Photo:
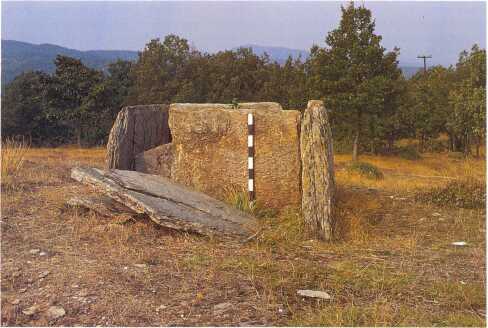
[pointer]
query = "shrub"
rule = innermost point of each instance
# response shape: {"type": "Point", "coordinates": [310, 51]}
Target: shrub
{"type": "Point", "coordinates": [365, 170]}
{"type": "Point", "coordinates": [456, 155]}
{"type": "Point", "coordinates": [469, 193]}
{"type": "Point", "coordinates": [436, 146]}
{"type": "Point", "coordinates": [13, 154]}
{"type": "Point", "coordinates": [407, 152]}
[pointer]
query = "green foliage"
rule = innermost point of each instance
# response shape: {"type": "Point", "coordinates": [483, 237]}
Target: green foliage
{"type": "Point", "coordinates": [467, 119]}
{"type": "Point", "coordinates": [355, 76]}
{"type": "Point", "coordinates": [468, 193]}
{"type": "Point", "coordinates": [24, 109]}
{"type": "Point", "coordinates": [429, 101]}
{"type": "Point", "coordinates": [365, 170]}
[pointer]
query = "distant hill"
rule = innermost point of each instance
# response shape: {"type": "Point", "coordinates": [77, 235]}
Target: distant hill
{"type": "Point", "coordinates": [18, 57]}
{"type": "Point", "coordinates": [279, 54]}
{"type": "Point", "coordinates": [409, 71]}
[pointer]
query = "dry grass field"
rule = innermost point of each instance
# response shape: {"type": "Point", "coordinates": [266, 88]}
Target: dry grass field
{"type": "Point", "coordinates": [394, 263]}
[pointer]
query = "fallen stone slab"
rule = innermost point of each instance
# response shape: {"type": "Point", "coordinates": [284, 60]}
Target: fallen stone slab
{"type": "Point", "coordinates": [167, 203]}
{"type": "Point", "coordinates": [100, 204]}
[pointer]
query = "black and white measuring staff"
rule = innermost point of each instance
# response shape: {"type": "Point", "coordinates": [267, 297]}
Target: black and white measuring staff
{"type": "Point", "coordinates": [250, 157]}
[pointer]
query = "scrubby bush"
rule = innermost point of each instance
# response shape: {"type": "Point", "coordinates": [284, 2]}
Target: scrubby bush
{"type": "Point", "coordinates": [456, 155]}
{"type": "Point", "coordinates": [436, 146]}
{"type": "Point", "coordinates": [469, 193]}
{"type": "Point", "coordinates": [365, 170]}
{"type": "Point", "coordinates": [407, 152]}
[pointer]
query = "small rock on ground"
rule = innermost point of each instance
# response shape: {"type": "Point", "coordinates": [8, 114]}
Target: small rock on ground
{"type": "Point", "coordinates": [140, 265]}
{"type": "Point", "coordinates": [43, 274]}
{"type": "Point", "coordinates": [222, 307]}
{"type": "Point", "coordinates": [314, 294]}
{"type": "Point", "coordinates": [160, 308]}
{"type": "Point", "coordinates": [55, 312]}
{"type": "Point", "coordinates": [31, 310]}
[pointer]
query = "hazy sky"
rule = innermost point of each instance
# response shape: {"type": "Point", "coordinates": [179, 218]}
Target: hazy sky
{"type": "Point", "coordinates": [441, 29]}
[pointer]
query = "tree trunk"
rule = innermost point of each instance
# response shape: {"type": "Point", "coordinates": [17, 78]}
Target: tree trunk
{"type": "Point", "coordinates": [422, 141]}
{"type": "Point", "coordinates": [478, 143]}
{"type": "Point", "coordinates": [467, 144]}
{"type": "Point", "coordinates": [318, 185]}
{"type": "Point", "coordinates": [355, 147]}
{"type": "Point", "coordinates": [391, 142]}
{"type": "Point", "coordinates": [450, 143]}
{"type": "Point", "coordinates": [78, 135]}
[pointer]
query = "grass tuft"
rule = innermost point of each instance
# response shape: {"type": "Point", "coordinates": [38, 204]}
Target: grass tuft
{"type": "Point", "coordinates": [240, 200]}
{"type": "Point", "coordinates": [365, 170]}
{"type": "Point", "coordinates": [13, 156]}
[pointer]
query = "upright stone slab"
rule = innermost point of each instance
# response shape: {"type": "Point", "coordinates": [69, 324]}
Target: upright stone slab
{"type": "Point", "coordinates": [211, 151]}
{"type": "Point", "coordinates": [136, 129]}
{"type": "Point", "coordinates": [318, 185]}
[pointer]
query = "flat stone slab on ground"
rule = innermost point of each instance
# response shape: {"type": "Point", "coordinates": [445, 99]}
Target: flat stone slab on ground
{"type": "Point", "coordinates": [168, 203]}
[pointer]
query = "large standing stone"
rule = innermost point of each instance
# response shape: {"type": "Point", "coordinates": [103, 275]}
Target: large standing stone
{"type": "Point", "coordinates": [136, 129]}
{"type": "Point", "coordinates": [318, 186]}
{"type": "Point", "coordinates": [211, 150]}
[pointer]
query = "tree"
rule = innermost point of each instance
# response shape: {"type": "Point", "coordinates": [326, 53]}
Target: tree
{"type": "Point", "coordinates": [354, 74]}
{"type": "Point", "coordinates": [23, 108]}
{"type": "Point", "coordinates": [467, 119]}
{"type": "Point", "coordinates": [67, 91]}
{"type": "Point", "coordinates": [429, 92]}
{"type": "Point", "coordinates": [157, 73]}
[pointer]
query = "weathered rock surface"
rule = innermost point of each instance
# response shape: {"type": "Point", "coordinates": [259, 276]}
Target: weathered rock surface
{"type": "Point", "coordinates": [100, 204]}
{"type": "Point", "coordinates": [211, 150]}
{"type": "Point", "coordinates": [136, 129]}
{"type": "Point", "coordinates": [168, 203]}
{"type": "Point", "coordinates": [55, 312]}
{"type": "Point", "coordinates": [318, 184]}
{"type": "Point", "coordinates": [157, 160]}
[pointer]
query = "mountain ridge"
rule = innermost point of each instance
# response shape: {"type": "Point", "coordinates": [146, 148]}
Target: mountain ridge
{"type": "Point", "coordinates": [19, 57]}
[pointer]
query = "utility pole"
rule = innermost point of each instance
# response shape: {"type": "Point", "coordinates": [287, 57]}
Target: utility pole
{"type": "Point", "coordinates": [424, 57]}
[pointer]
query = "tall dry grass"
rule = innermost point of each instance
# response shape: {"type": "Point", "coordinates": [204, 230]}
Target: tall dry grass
{"type": "Point", "coordinates": [13, 158]}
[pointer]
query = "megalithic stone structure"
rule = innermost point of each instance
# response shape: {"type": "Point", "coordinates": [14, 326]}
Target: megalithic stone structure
{"type": "Point", "coordinates": [318, 183]}
{"type": "Point", "coordinates": [136, 129]}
